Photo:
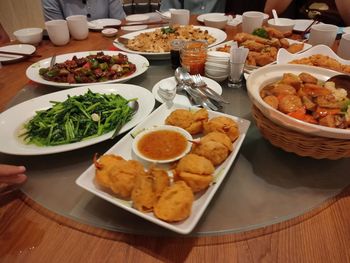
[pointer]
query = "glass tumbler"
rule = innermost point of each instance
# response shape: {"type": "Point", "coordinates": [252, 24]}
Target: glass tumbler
{"type": "Point", "coordinates": [193, 56]}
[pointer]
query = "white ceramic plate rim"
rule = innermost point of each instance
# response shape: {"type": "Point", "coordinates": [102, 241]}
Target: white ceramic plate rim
{"type": "Point", "coordinates": [133, 28]}
{"type": "Point", "coordinates": [217, 33]}
{"type": "Point", "coordinates": [266, 75]}
{"type": "Point", "coordinates": [182, 131]}
{"type": "Point", "coordinates": [98, 24]}
{"type": "Point", "coordinates": [123, 148]}
{"type": "Point", "coordinates": [12, 119]}
{"type": "Point", "coordinates": [181, 98]}
{"type": "Point", "coordinates": [201, 17]}
{"type": "Point", "coordinates": [32, 72]}
{"type": "Point", "coordinates": [21, 48]}
{"type": "Point", "coordinates": [137, 18]}
{"type": "Point", "coordinates": [284, 57]}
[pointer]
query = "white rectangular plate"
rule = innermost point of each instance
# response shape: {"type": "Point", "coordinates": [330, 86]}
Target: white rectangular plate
{"type": "Point", "coordinates": [124, 149]}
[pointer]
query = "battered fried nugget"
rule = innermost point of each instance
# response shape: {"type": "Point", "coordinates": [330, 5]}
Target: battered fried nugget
{"type": "Point", "coordinates": [196, 171]}
{"type": "Point", "coordinates": [175, 203]}
{"type": "Point", "coordinates": [104, 166]}
{"type": "Point", "coordinates": [222, 124]}
{"type": "Point", "coordinates": [123, 176]}
{"type": "Point", "coordinates": [215, 146]}
{"type": "Point", "coordinates": [190, 121]}
{"type": "Point", "coordinates": [143, 194]}
{"type": "Point", "coordinates": [160, 180]}
{"type": "Point", "coordinates": [294, 48]}
{"type": "Point", "coordinates": [292, 80]}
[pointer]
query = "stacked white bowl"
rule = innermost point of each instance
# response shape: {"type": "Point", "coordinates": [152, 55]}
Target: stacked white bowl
{"type": "Point", "coordinates": [217, 65]}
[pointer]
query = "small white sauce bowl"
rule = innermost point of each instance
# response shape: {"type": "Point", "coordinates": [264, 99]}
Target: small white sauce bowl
{"type": "Point", "coordinates": [109, 32]}
{"type": "Point", "coordinates": [139, 136]}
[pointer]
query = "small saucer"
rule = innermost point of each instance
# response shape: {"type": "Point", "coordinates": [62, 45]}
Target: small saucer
{"type": "Point", "coordinates": [109, 32]}
{"type": "Point", "coordinates": [20, 48]}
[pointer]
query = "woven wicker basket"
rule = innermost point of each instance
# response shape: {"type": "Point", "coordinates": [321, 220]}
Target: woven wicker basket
{"type": "Point", "coordinates": [299, 143]}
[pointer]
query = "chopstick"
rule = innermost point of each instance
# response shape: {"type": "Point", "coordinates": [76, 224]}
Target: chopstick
{"type": "Point", "coordinates": [138, 24]}
{"type": "Point", "coordinates": [307, 30]}
{"type": "Point", "coordinates": [18, 54]}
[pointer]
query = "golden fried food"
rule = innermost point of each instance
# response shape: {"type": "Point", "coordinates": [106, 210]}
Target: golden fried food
{"type": "Point", "coordinates": [222, 124]}
{"type": "Point", "coordinates": [307, 78]}
{"type": "Point", "coordinates": [143, 195]}
{"type": "Point", "coordinates": [159, 39]}
{"type": "Point", "coordinates": [175, 203]}
{"type": "Point", "coordinates": [272, 101]}
{"type": "Point", "coordinates": [215, 146]}
{"type": "Point", "coordinates": [104, 166]}
{"type": "Point", "coordinates": [190, 121]}
{"type": "Point", "coordinates": [323, 61]}
{"type": "Point", "coordinates": [160, 180]}
{"type": "Point", "coordinates": [123, 176]}
{"type": "Point", "coordinates": [196, 171]}
{"type": "Point", "coordinates": [292, 80]}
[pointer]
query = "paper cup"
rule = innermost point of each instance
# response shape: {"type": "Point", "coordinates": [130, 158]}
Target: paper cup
{"type": "Point", "coordinates": [323, 34]}
{"type": "Point", "coordinates": [180, 17]}
{"type": "Point", "coordinates": [78, 26]}
{"type": "Point", "coordinates": [344, 47]}
{"type": "Point", "coordinates": [58, 32]}
{"type": "Point", "coordinates": [251, 20]}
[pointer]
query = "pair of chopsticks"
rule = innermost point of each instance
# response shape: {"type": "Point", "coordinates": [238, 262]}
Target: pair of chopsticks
{"type": "Point", "coordinates": [307, 30]}
{"type": "Point", "coordinates": [18, 54]}
{"type": "Point", "coordinates": [138, 24]}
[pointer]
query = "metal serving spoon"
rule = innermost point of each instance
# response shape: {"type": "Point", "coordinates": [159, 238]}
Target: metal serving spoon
{"type": "Point", "coordinates": [134, 105]}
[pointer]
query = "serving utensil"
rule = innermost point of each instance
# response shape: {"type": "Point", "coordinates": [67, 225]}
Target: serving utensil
{"type": "Point", "coordinates": [18, 54]}
{"type": "Point", "coordinates": [134, 105]}
{"type": "Point", "coordinates": [341, 81]}
{"type": "Point", "coordinates": [307, 30]}
{"type": "Point", "coordinates": [212, 94]}
{"type": "Point", "coordinates": [275, 17]}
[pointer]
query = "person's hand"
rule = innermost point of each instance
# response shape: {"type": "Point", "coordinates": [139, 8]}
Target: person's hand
{"type": "Point", "coordinates": [11, 174]}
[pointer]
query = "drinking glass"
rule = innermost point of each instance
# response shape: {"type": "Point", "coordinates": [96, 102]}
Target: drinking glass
{"type": "Point", "coordinates": [235, 77]}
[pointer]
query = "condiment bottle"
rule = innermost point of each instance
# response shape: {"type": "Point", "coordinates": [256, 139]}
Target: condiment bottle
{"type": "Point", "coordinates": [193, 56]}
{"type": "Point", "coordinates": [175, 47]}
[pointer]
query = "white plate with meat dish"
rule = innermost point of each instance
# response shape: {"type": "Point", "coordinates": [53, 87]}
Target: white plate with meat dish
{"type": "Point", "coordinates": [264, 76]}
{"type": "Point", "coordinates": [19, 48]}
{"type": "Point", "coordinates": [123, 148]}
{"type": "Point", "coordinates": [181, 98]}
{"type": "Point", "coordinates": [13, 119]}
{"type": "Point", "coordinates": [33, 74]}
{"type": "Point", "coordinates": [284, 57]}
{"type": "Point", "coordinates": [99, 24]}
{"type": "Point", "coordinates": [218, 34]}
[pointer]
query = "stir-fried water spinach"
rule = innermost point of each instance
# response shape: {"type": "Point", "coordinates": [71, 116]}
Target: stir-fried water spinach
{"type": "Point", "coordinates": [78, 118]}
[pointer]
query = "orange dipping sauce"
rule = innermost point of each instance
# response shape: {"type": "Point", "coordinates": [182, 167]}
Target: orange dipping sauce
{"type": "Point", "coordinates": [162, 144]}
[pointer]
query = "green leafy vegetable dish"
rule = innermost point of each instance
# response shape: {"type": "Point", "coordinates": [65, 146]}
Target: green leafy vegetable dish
{"type": "Point", "coordinates": [261, 32]}
{"type": "Point", "coordinates": [78, 118]}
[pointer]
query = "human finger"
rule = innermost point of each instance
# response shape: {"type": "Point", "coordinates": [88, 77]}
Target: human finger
{"type": "Point", "coordinates": [8, 170]}
{"type": "Point", "coordinates": [13, 179]}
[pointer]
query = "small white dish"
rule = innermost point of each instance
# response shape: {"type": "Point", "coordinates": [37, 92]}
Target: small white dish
{"type": "Point", "coordinates": [19, 48]}
{"type": "Point", "coordinates": [134, 28]}
{"type": "Point", "coordinates": [31, 35]}
{"type": "Point", "coordinates": [180, 97]}
{"type": "Point", "coordinates": [99, 24]}
{"type": "Point", "coordinates": [217, 78]}
{"type": "Point", "coordinates": [302, 24]}
{"type": "Point", "coordinates": [218, 55]}
{"type": "Point", "coordinates": [202, 17]}
{"type": "Point", "coordinates": [284, 24]}
{"type": "Point", "coordinates": [186, 136]}
{"type": "Point", "coordinates": [215, 65]}
{"type": "Point", "coordinates": [109, 32]}
{"type": "Point", "coordinates": [137, 18]}
{"type": "Point", "coordinates": [217, 21]}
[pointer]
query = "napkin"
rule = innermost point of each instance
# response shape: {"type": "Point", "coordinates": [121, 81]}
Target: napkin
{"type": "Point", "coordinates": [234, 21]}
{"type": "Point", "coordinates": [238, 56]}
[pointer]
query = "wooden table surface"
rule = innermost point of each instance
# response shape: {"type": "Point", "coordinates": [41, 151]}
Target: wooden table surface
{"type": "Point", "coordinates": [30, 233]}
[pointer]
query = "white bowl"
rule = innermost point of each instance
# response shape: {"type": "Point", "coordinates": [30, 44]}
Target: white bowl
{"type": "Point", "coordinates": [217, 78]}
{"type": "Point", "coordinates": [214, 65]}
{"type": "Point", "coordinates": [139, 18]}
{"type": "Point", "coordinates": [284, 24]}
{"type": "Point", "coordinates": [217, 21]}
{"type": "Point", "coordinates": [179, 130]}
{"type": "Point", "coordinates": [109, 32]}
{"type": "Point", "coordinates": [216, 71]}
{"type": "Point", "coordinates": [29, 35]}
{"type": "Point", "coordinates": [221, 62]}
{"type": "Point", "coordinates": [218, 54]}
{"type": "Point", "coordinates": [266, 75]}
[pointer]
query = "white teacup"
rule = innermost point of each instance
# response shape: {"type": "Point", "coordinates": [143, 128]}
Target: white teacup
{"type": "Point", "coordinates": [180, 17]}
{"type": "Point", "coordinates": [344, 46]}
{"type": "Point", "coordinates": [251, 20]}
{"type": "Point", "coordinates": [78, 26]}
{"type": "Point", "coordinates": [58, 32]}
{"type": "Point", "coordinates": [323, 34]}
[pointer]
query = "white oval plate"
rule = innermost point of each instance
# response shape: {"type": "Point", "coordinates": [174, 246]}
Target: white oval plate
{"type": "Point", "coordinates": [284, 57]}
{"type": "Point", "coordinates": [32, 72]}
{"type": "Point", "coordinates": [202, 200]}
{"type": "Point", "coordinates": [134, 28]}
{"type": "Point", "coordinates": [20, 48]}
{"type": "Point", "coordinates": [12, 119]}
{"type": "Point", "coordinates": [266, 75]}
{"type": "Point", "coordinates": [217, 33]}
{"type": "Point", "coordinates": [100, 23]}
{"type": "Point", "coordinates": [182, 99]}
{"type": "Point", "coordinates": [137, 18]}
